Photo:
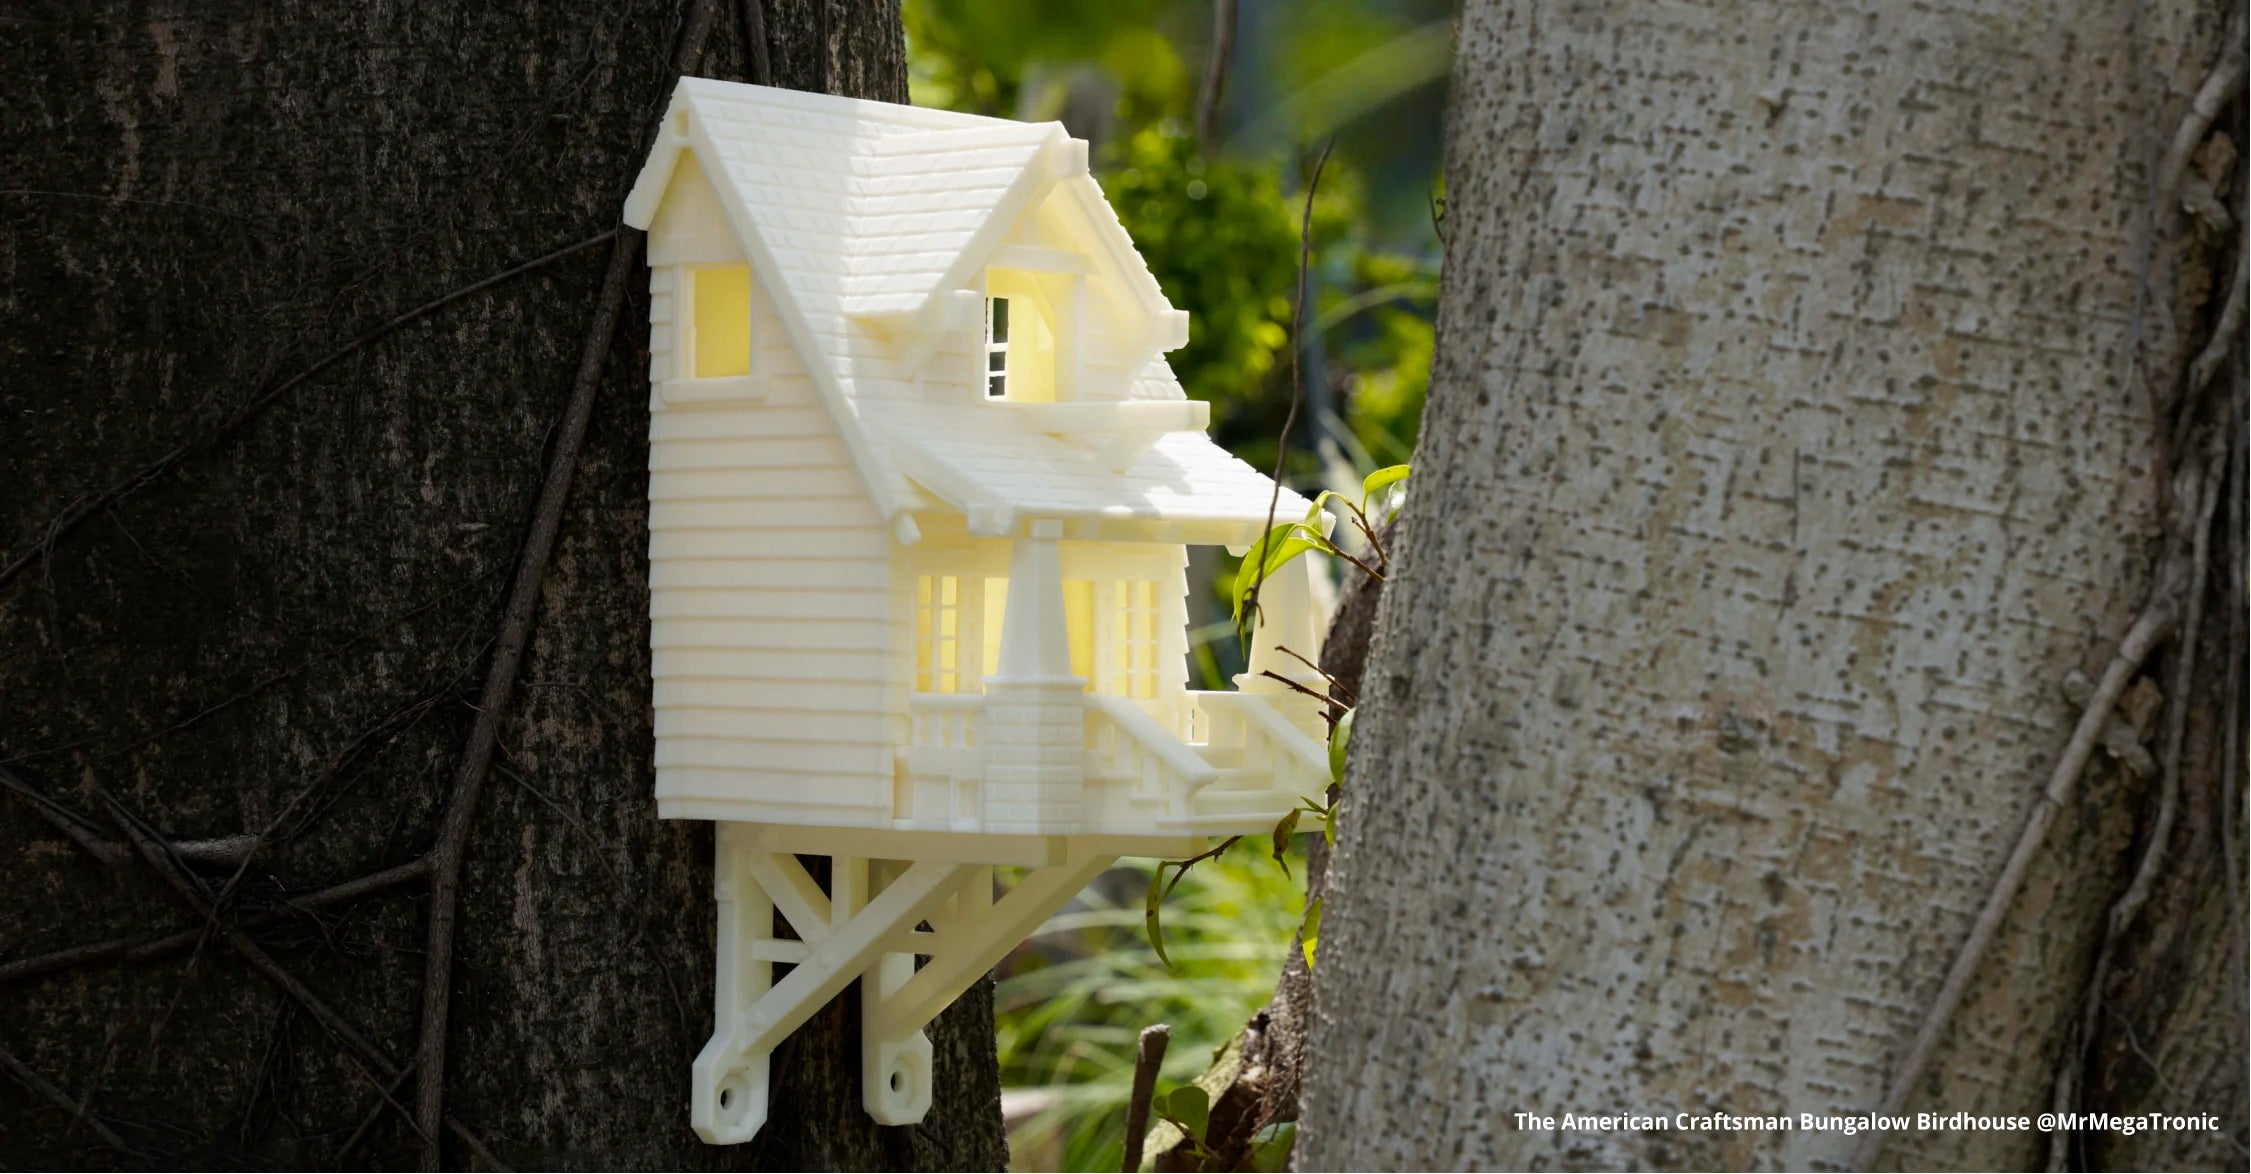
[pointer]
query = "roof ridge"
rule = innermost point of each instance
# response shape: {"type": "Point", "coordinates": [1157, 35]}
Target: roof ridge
{"type": "Point", "coordinates": [897, 115]}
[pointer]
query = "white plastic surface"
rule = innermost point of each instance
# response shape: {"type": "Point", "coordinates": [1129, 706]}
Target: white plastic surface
{"type": "Point", "coordinates": [900, 623]}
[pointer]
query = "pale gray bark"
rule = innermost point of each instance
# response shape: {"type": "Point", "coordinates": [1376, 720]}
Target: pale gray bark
{"type": "Point", "coordinates": [1784, 454]}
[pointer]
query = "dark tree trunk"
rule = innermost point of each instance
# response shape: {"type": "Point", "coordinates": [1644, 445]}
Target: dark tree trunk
{"type": "Point", "coordinates": [288, 628]}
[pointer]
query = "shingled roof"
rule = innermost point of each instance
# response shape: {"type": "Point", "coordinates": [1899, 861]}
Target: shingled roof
{"type": "Point", "coordinates": [859, 216]}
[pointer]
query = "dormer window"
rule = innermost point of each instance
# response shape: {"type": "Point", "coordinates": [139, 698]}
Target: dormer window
{"type": "Point", "coordinates": [996, 348]}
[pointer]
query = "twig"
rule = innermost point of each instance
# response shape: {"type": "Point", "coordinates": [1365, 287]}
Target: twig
{"type": "Point", "coordinates": [1297, 385]}
{"type": "Point", "coordinates": [2225, 333]}
{"type": "Point", "coordinates": [1148, 1055]}
{"type": "Point", "coordinates": [62, 1100]}
{"type": "Point", "coordinates": [499, 692]}
{"type": "Point", "coordinates": [2219, 87]}
{"type": "Point", "coordinates": [1323, 698]}
{"type": "Point", "coordinates": [500, 680]}
{"type": "Point", "coordinates": [752, 15]}
{"type": "Point", "coordinates": [2156, 620]}
{"type": "Point", "coordinates": [77, 511]}
{"type": "Point", "coordinates": [130, 950]}
{"type": "Point", "coordinates": [386, 1097]}
{"type": "Point", "coordinates": [2231, 770]}
{"type": "Point", "coordinates": [1344, 691]}
{"type": "Point", "coordinates": [1215, 75]}
{"type": "Point", "coordinates": [225, 850]}
{"type": "Point", "coordinates": [191, 895]}
{"type": "Point", "coordinates": [2204, 496]}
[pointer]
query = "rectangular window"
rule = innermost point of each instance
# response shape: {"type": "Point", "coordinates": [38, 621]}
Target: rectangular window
{"type": "Point", "coordinates": [938, 631]}
{"type": "Point", "coordinates": [720, 300]}
{"type": "Point", "coordinates": [996, 348]}
{"type": "Point", "coordinates": [1133, 639]}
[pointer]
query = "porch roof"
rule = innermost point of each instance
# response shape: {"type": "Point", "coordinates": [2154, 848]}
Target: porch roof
{"type": "Point", "coordinates": [1181, 488]}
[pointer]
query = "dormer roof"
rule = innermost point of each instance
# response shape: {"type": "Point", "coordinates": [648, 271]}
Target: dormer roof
{"type": "Point", "coordinates": [862, 218]}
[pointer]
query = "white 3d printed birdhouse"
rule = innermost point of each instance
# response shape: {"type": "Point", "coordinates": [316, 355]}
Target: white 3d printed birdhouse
{"type": "Point", "coordinates": [921, 488]}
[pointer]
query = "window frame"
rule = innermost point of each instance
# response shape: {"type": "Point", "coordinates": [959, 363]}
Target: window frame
{"type": "Point", "coordinates": [685, 385]}
{"type": "Point", "coordinates": [997, 313]}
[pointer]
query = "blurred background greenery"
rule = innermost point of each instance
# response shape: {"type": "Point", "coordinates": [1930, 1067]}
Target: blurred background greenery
{"type": "Point", "coordinates": [1208, 168]}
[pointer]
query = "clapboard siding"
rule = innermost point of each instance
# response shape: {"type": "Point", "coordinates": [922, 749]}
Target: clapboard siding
{"type": "Point", "coordinates": [757, 489]}
{"type": "Point", "coordinates": [739, 694]}
{"type": "Point", "coordinates": [764, 452]}
{"type": "Point", "coordinates": [766, 725]}
{"type": "Point", "coordinates": [812, 574]}
{"type": "Point", "coordinates": [848, 635]}
{"type": "Point", "coordinates": [769, 603]}
{"type": "Point", "coordinates": [771, 596]}
{"type": "Point", "coordinates": [766, 543]}
{"type": "Point", "coordinates": [825, 757]}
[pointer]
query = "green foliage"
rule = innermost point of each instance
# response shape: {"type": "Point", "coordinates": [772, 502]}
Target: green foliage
{"type": "Point", "coordinates": [1070, 1006]}
{"type": "Point", "coordinates": [1188, 1108]}
{"type": "Point", "coordinates": [1340, 736]}
{"type": "Point", "coordinates": [1222, 240]}
{"type": "Point", "coordinates": [1016, 58]}
{"type": "Point", "coordinates": [1379, 496]}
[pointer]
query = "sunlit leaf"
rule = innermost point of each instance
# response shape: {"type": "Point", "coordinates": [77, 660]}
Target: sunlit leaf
{"type": "Point", "coordinates": [1150, 904]}
{"type": "Point", "coordinates": [1282, 833]}
{"type": "Point", "coordinates": [1311, 934]}
{"type": "Point", "coordinates": [1190, 1108]}
{"type": "Point", "coordinates": [1339, 738]}
{"type": "Point", "coordinates": [1270, 1147]}
{"type": "Point", "coordinates": [1382, 479]}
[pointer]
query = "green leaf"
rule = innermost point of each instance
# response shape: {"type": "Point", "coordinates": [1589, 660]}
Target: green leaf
{"type": "Point", "coordinates": [1311, 933]}
{"type": "Point", "coordinates": [1151, 904]}
{"type": "Point", "coordinates": [1270, 1147]}
{"type": "Point", "coordinates": [1339, 738]}
{"type": "Point", "coordinates": [1382, 479]}
{"type": "Point", "coordinates": [1190, 1108]}
{"type": "Point", "coordinates": [1282, 833]}
{"type": "Point", "coordinates": [1285, 541]}
{"type": "Point", "coordinates": [1379, 481]}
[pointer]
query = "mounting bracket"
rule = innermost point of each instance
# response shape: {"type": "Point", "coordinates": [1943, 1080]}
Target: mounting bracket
{"type": "Point", "coordinates": [867, 926]}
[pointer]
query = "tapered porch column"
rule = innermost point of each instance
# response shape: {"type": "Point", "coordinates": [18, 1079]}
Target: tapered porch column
{"type": "Point", "coordinates": [1285, 607]}
{"type": "Point", "coordinates": [1035, 710]}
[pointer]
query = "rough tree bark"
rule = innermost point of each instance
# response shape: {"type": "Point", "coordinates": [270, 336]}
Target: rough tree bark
{"type": "Point", "coordinates": [1795, 432]}
{"type": "Point", "coordinates": [201, 201]}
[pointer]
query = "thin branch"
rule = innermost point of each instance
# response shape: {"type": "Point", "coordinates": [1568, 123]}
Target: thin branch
{"type": "Point", "coordinates": [62, 1100]}
{"type": "Point", "coordinates": [1270, 674]}
{"type": "Point", "coordinates": [191, 895]}
{"type": "Point", "coordinates": [499, 691]}
{"type": "Point", "coordinates": [1344, 690]}
{"type": "Point", "coordinates": [144, 949]}
{"type": "Point", "coordinates": [2220, 86]}
{"type": "Point", "coordinates": [500, 680]}
{"type": "Point", "coordinates": [225, 850]}
{"type": "Point", "coordinates": [752, 16]}
{"type": "Point", "coordinates": [1215, 75]}
{"type": "Point", "coordinates": [2203, 498]}
{"type": "Point", "coordinates": [77, 511]}
{"type": "Point", "coordinates": [386, 1097]}
{"type": "Point", "coordinates": [1148, 1056]}
{"type": "Point", "coordinates": [1297, 385]}
{"type": "Point", "coordinates": [2225, 332]}
{"type": "Point", "coordinates": [2156, 620]}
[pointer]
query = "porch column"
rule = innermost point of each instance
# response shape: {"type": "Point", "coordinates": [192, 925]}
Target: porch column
{"type": "Point", "coordinates": [1035, 710]}
{"type": "Point", "coordinates": [1034, 643]}
{"type": "Point", "coordinates": [1285, 602]}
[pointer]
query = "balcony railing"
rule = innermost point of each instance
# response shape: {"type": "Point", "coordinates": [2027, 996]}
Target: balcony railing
{"type": "Point", "coordinates": [1236, 763]}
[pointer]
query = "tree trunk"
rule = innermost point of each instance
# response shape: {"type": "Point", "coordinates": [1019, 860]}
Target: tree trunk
{"type": "Point", "coordinates": [1795, 432]}
{"type": "Point", "coordinates": [286, 630]}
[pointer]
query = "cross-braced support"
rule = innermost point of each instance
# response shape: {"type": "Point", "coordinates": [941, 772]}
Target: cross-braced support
{"type": "Point", "coordinates": [868, 924]}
